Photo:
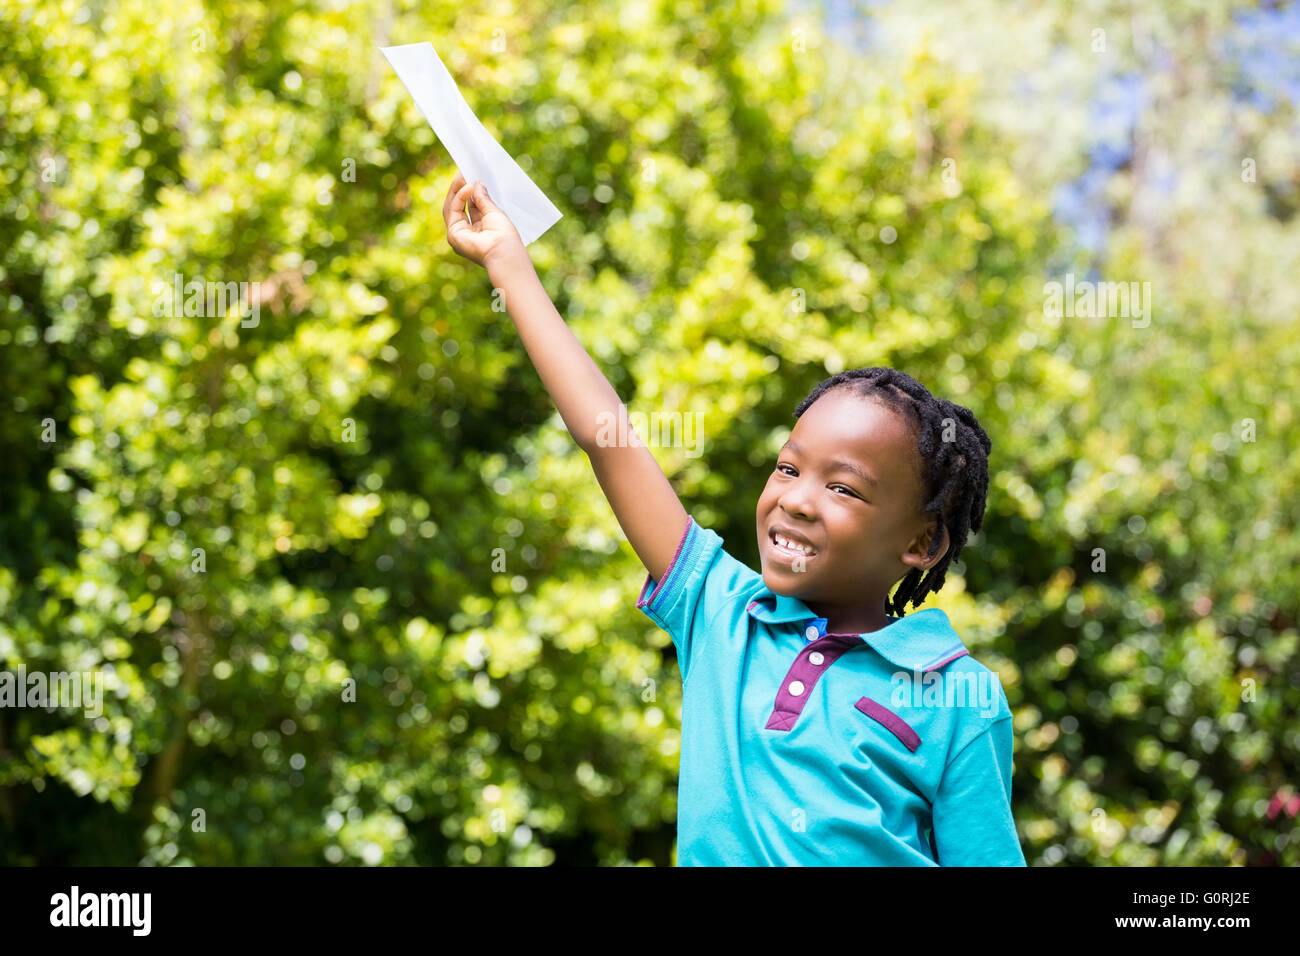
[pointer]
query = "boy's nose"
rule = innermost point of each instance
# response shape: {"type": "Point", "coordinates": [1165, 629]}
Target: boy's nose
{"type": "Point", "coordinates": [796, 501]}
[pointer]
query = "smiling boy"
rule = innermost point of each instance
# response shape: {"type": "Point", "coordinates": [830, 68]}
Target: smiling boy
{"type": "Point", "coordinates": [789, 754]}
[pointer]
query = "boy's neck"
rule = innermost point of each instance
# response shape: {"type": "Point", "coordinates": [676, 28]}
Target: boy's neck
{"type": "Point", "coordinates": [841, 620]}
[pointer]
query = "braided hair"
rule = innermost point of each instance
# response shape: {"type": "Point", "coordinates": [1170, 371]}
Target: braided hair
{"type": "Point", "coordinates": [955, 472]}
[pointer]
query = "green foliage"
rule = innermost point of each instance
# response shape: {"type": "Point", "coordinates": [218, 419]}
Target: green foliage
{"type": "Point", "coordinates": [356, 593]}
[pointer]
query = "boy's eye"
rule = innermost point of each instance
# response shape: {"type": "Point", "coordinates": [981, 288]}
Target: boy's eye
{"type": "Point", "coordinates": [790, 470]}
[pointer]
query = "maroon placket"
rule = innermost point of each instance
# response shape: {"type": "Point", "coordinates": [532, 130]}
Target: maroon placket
{"type": "Point", "coordinates": [809, 665]}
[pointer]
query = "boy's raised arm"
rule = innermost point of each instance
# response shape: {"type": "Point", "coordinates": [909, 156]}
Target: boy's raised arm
{"type": "Point", "coordinates": [644, 502]}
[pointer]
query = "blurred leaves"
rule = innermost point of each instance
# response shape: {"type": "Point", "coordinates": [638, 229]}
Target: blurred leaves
{"type": "Point", "coordinates": [356, 595]}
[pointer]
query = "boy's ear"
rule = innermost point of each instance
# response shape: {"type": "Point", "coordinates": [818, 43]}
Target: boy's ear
{"type": "Point", "coordinates": [916, 555]}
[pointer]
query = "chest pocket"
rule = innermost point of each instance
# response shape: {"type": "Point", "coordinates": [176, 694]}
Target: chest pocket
{"type": "Point", "coordinates": [891, 721]}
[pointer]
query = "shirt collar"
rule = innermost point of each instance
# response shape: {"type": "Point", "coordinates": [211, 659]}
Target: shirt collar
{"type": "Point", "coordinates": [924, 640]}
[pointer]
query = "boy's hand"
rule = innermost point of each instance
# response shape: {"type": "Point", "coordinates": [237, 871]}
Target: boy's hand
{"type": "Point", "coordinates": [487, 236]}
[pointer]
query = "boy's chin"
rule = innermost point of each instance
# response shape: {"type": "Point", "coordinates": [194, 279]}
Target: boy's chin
{"type": "Point", "coordinates": [779, 582]}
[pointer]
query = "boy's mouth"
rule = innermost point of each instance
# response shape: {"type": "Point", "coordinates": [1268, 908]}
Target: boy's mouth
{"type": "Point", "coordinates": [790, 547]}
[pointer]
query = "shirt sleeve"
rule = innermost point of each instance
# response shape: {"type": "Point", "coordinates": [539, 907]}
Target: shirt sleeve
{"type": "Point", "coordinates": [971, 814]}
{"type": "Point", "coordinates": [702, 581]}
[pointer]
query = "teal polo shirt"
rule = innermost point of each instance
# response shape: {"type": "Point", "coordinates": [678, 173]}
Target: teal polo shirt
{"type": "Point", "coordinates": [799, 747]}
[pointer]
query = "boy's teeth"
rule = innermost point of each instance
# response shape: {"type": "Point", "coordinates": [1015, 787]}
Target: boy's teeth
{"type": "Point", "coordinates": [785, 542]}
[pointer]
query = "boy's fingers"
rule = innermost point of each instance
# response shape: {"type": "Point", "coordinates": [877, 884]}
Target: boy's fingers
{"type": "Point", "coordinates": [466, 195]}
{"type": "Point", "coordinates": [451, 192]}
{"type": "Point", "coordinates": [481, 197]}
{"type": "Point", "coordinates": [456, 213]}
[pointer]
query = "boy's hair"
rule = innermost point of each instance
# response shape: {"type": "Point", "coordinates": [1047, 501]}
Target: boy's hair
{"type": "Point", "coordinates": [956, 472]}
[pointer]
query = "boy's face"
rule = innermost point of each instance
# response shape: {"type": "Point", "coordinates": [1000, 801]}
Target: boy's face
{"type": "Point", "coordinates": [865, 534]}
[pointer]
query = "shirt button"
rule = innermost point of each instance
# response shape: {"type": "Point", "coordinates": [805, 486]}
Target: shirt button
{"type": "Point", "coordinates": [816, 657]}
{"type": "Point", "coordinates": [795, 688]}
{"type": "Point", "coordinates": [811, 632]}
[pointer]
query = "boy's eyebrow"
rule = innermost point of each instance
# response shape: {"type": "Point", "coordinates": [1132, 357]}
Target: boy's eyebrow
{"type": "Point", "coordinates": [839, 463]}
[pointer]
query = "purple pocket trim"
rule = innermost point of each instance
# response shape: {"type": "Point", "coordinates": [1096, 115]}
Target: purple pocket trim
{"type": "Point", "coordinates": [897, 725]}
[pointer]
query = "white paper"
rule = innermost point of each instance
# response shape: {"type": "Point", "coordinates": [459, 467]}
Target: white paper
{"type": "Point", "coordinates": [477, 155]}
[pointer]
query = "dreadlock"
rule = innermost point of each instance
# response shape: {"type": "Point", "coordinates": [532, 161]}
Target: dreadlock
{"type": "Point", "coordinates": [955, 472]}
